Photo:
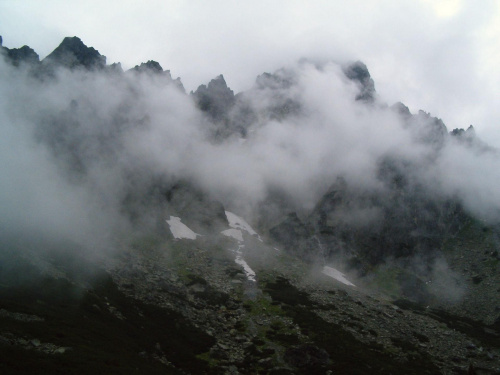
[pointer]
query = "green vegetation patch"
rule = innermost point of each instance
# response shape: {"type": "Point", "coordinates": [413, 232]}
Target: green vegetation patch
{"type": "Point", "coordinates": [397, 282]}
{"type": "Point", "coordinates": [386, 279]}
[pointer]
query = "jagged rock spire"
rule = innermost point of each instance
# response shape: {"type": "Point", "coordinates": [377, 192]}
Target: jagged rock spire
{"type": "Point", "coordinates": [216, 98]}
{"type": "Point", "coordinates": [401, 109]}
{"type": "Point", "coordinates": [150, 66]}
{"type": "Point", "coordinates": [17, 56]}
{"type": "Point", "coordinates": [358, 72]}
{"type": "Point", "coordinates": [73, 53]}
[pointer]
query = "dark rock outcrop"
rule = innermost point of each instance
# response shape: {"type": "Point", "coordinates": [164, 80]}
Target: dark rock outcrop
{"type": "Point", "coordinates": [429, 129]}
{"type": "Point", "coordinates": [151, 67]}
{"type": "Point", "coordinates": [18, 56]}
{"type": "Point", "coordinates": [154, 69]}
{"type": "Point", "coordinates": [297, 238]}
{"type": "Point", "coordinates": [282, 79]}
{"type": "Point", "coordinates": [358, 72]}
{"type": "Point", "coordinates": [115, 68]}
{"type": "Point", "coordinates": [423, 127]}
{"type": "Point", "coordinates": [216, 98]}
{"type": "Point", "coordinates": [401, 109]}
{"type": "Point", "coordinates": [73, 53]}
{"type": "Point", "coordinates": [21, 55]}
{"type": "Point", "coordinates": [282, 103]}
{"type": "Point", "coordinates": [200, 213]}
{"type": "Point", "coordinates": [403, 220]}
{"type": "Point", "coordinates": [468, 138]}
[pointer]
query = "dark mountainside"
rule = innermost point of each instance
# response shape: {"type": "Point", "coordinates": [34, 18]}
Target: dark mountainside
{"type": "Point", "coordinates": [159, 276]}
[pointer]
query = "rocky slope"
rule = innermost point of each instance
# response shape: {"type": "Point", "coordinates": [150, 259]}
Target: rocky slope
{"type": "Point", "coordinates": [185, 306]}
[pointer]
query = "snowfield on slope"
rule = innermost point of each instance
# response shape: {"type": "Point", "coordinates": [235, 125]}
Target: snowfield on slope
{"type": "Point", "coordinates": [237, 222]}
{"type": "Point", "coordinates": [250, 273]}
{"type": "Point", "coordinates": [337, 275]}
{"type": "Point", "coordinates": [180, 230]}
{"type": "Point", "coordinates": [235, 233]}
{"type": "Point", "coordinates": [238, 225]}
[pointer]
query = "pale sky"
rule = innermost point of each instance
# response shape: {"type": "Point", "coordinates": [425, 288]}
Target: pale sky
{"type": "Point", "coordinates": [439, 56]}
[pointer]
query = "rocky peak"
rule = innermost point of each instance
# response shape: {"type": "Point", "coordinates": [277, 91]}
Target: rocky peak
{"type": "Point", "coordinates": [218, 83]}
{"type": "Point", "coordinates": [216, 98]}
{"type": "Point", "coordinates": [469, 138]}
{"type": "Point", "coordinates": [471, 131]}
{"type": "Point", "coordinates": [217, 87]}
{"type": "Point", "coordinates": [115, 68]}
{"type": "Point", "coordinates": [17, 56]}
{"type": "Point", "coordinates": [73, 53]}
{"type": "Point", "coordinates": [151, 66]}
{"type": "Point", "coordinates": [282, 79]}
{"type": "Point", "coordinates": [401, 109]}
{"type": "Point", "coordinates": [428, 129]}
{"type": "Point", "coordinates": [457, 132]}
{"type": "Point", "coordinates": [358, 72]}
{"type": "Point", "coordinates": [153, 69]}
{"type": "Point", "coordinates": [24, 54]}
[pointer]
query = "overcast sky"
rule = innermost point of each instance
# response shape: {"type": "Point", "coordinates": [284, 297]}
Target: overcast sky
{"type": "Point", "coordinates": [440, 56]}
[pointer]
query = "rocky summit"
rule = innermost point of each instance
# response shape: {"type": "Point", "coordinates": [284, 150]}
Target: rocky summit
{"type": "Point", "coordinates": [146, 230]}
{"type": "Point", "coordinates": [73, 53]}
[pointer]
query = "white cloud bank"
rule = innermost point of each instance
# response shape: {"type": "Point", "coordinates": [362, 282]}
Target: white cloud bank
{"type": "Point", "coordinates": [78, 149]}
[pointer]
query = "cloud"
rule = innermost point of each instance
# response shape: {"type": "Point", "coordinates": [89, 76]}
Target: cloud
{"type": "Point", "coordinates": [470, 175]}
{"type": "Point", "coordinates": [83, 150]}
{"type": "Point", "coordinates": [445, 8]}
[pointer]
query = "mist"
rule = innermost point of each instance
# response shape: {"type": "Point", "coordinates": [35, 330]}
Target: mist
{"type": "Point", "coordinates": [76, 147]}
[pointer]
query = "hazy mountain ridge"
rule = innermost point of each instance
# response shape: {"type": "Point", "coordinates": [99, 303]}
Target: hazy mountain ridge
{"type": "Point", "coordinates": [125, 150]}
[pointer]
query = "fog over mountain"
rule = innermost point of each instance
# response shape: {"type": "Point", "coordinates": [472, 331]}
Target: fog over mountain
{"type": "Point", "coordinates": [321, 165]}
{"type": "Point", "coordinates": [76, 142]}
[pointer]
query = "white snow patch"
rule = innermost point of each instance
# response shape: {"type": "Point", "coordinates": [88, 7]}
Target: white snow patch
{"type": "Point", "coordinates": [237, 222]}
{"type": "Point", "coordinates": [337, 275]}
{"type": "Point", "coordinates": [235, 233]}
{"type": "Point", "coordinates": [248, 271]}
{"type": "Point", "coordinates": [180, 230]}
{"type": "Point", "coordinates": [238, 225]}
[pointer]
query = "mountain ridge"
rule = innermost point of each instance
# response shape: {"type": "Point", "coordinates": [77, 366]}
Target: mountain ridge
{"type": "Point", "coordinates": [72, 52]}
